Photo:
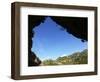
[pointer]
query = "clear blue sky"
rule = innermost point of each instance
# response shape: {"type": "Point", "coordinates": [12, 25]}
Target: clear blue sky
{"type": "Point", "coordinates": [50, 41]}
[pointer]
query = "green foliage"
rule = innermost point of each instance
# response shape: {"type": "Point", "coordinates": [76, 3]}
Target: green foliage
{"type": "Point", "coordinates": [49, 62]}
{"type": "Point", "coordinates": [64, 60]}
{"type": "Point", "coordinates": [75, 58]}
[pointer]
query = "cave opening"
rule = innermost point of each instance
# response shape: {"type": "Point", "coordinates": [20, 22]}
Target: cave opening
{"type": "Point", "coordinates": [66, 24]}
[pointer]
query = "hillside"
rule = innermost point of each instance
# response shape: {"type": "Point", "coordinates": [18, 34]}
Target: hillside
{"type": "Point", "coordinates": [75, 58]}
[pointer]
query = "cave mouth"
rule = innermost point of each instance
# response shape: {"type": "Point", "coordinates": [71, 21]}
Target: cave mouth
{"type": "Point", "coordinates": [69, 27]}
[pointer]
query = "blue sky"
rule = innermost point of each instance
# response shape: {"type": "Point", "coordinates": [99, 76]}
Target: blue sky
{"type": "Point", "coordinates": [50, 41]}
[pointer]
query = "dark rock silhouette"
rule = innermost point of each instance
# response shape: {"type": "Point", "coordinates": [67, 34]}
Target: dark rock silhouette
{"type": "Point", "coordinates": [73, 25]}
{"type": "Point", "coordinates": [33, 21]}
{"type": "Point", "coordinates": [33, 60]}
{"type": "Point", "coordinates": [77, 26]}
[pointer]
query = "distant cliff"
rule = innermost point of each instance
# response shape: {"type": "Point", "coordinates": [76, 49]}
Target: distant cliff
{"type": "Point", "coordinates": [75, 58]}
